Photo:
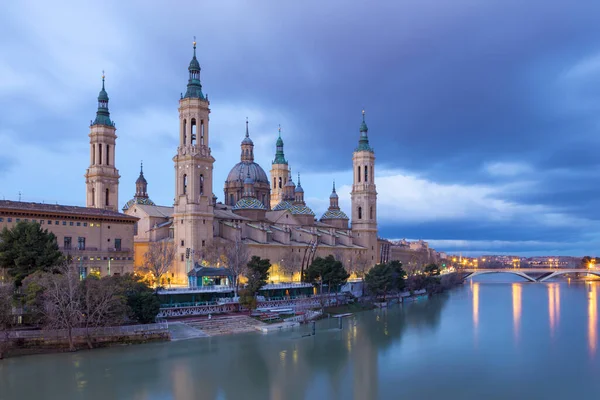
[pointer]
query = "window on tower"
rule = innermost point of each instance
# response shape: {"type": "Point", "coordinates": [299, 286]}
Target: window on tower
{"type": "Point", "coordinates": [202, 132]}
{"type": "Point", "coordinates": [100, 154]}
{"type": "Point", "coordinates": [107, 155]}
{"type": "Point", "coordinates": [106, 197]}
{"type": "Point", "coordinates": [279, 182]}
{"type": "Point", "coordinates": [201, 184]}
{"type": "Point", "coordinates": [193, 138]}
{"type": "Point", "coordinates": [371, 212]}
{"type": "Point", "coordinates": [359, 173]}
{"type": "Point", "coordinates": [366, 173]}
{"type": "Point", "coordinates": [359, 212]}
{"type": "Point", "coordinates": [93, 197]}
{"type": "Point", "coordinates": [184, 132]}
{"type": "Point", "coordinates": [274, 183]}
{"type": "Point", "coordinates": [231, 200]}
{"type": "Point", "coordinates": [93, 154]}
{"type": "Point", "coordinates": [185, 184]}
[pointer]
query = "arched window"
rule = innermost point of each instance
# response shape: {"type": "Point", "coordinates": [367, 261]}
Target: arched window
{"type": "Point", "coordinates": [359, 173]}
{"type": "Point", "coordinates": [231, 199]}
{"type": "Point", "coordinates": [371, 212]}
{"type": "Point", "coordinates": [106, 197]}
{"type": "Point", "coordinates": [274, 183]}
{"type": "Point", "coordinates": [100, 154]}
{"type": "Point", "coordinates": [184, 132]}
{"type": "Point", "coordinates": [185, 184]}
{"type": "Point", "coordinates": [107, 155]}
{"type": "Point", "coordinates": [201, 184]}
{"type": "Point", "coordinates": [93, 197]}
{"type": "Point", "coordinates": [359, 212]}
{"type": "Point", "coordinates": [193, 137]}
{"type": "Point", "coordinates": [202, 132]}
{"type": "Point", "coordinates": [264, 199]}
{"type": "Point", "coordinates": [279, 182]}
{"type": "Point", "coordinates": [93, 154]}
{"type": "Point", "coordinates": [366, 173]}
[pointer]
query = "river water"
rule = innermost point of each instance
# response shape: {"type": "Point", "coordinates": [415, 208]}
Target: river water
{"type": "Point", "coordinates": [488, 339]}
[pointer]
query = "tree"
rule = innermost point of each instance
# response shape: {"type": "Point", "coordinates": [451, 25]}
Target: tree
{"type": "Point", "coordinates": [360, 265]}
{"type": "Point", "coordinates": [257, 274]}
{"type": "Point", "coordinates": [327, 271]}
{"type": "Point", "coordinates": [7, 318]}
{"type": "Point", "coordinates": [103, 304]}
{"type": "Point", "coordinates": [383, 278]}
{"type": "Point", "coordinates": [26, 248]}
{"type": "Point", "coordinates": [237, 255]}
{"type": "Point", "coordinates": [62, 300]}
{"type": "Point", "coordinates": [431, 270]}
{"type": "Point", "coordinates": [214, 253]}
{"type": "Point", "coordinates": [142, 302]}
{"type": "Point", "coordinates": [158, 259]}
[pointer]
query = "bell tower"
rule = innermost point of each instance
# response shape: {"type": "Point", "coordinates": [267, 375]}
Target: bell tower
{"type": "Point", "coordinates": [102, 177]}
{"type": "Point", "coordinates": [193, 214]}
{"type": "Point", "coordinates": [279, 173]}
{"type": "Point", "coordinates": [364, 196]}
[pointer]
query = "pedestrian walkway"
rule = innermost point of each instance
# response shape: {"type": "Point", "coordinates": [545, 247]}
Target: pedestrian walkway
{"type": "Point", "coordinates": [226, 325]}
{"type": "Point", "coordinates": [182, 331]}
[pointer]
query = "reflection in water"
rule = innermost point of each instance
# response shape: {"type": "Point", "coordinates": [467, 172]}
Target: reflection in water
{"type": "Point", "coordinates": [592, 319]}
{"type": "Point", "coordinates": [516, 297]}
{"type": "Point", "coordinates": [475, 289]}
{"type": "Point", "coordinates": [553, 307]}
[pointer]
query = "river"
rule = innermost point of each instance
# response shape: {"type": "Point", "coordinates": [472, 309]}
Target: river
{"type": "Point", "coordinates": [488, 339]}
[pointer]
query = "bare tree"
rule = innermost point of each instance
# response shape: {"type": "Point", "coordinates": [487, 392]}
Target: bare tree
{"type": "Point", "coordinates": [159, 258]}
{"type": "Point", "coordinates": [214, 253]}
{"type": "Point", "coordinates": [360, 265]}
{"type": "Point", "coordinates": [237, 255]}
{"type": "Point", "coordinates": [289, 264]}
{"type": "Point", "coordinates": [102, 304]}
{"type": "Point", "coordinates": [7, 318]}
{"type": "Point", "coordinates": [62, 300]}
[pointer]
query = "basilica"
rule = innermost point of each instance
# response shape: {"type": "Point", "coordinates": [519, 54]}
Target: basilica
{"type": "Point", "coordinates": [266, 212]}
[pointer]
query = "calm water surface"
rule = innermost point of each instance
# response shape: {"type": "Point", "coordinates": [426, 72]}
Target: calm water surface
{"type": "Point", "coordinates": [485, 340]}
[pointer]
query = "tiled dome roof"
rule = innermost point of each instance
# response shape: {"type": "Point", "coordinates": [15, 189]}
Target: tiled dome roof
{"type": "Point", "coordinates": [138, 200]}
{"type": "Point", "coordinates": [301, 210]}
{"type": "Point", "coordinates": [249, 203]}
{"type": "Point", "coordinates": [284, 205]}
{"type": "Point", "coordinates": [334, 214]}
{"type": "Point", "coordinates": [240, 172]}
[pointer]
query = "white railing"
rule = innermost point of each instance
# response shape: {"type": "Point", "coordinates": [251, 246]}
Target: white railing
{"type": "Point", "coordinates": [289, 285]}
{"type": "Point", "coordinates": [198, 289]}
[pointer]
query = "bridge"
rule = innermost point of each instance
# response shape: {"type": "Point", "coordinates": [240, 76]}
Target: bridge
{"type": "Point", "coordinates": [541, 274]}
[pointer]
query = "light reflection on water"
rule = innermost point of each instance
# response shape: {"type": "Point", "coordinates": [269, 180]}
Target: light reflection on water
{"type": "Point", "coordinates": [380, 354]}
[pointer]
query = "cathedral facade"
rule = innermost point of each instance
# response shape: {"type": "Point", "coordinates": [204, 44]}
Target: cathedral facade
{"type": "Point", "coordinates": [266, 212]}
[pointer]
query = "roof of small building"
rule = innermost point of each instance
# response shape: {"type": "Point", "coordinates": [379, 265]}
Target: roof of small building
{"type": "Point", "coordinates": [63, 209]}
{"type": "Point", "coordinates": [301, 209]}
{"type": "Point", "coordinates": [199, 271]}
{"type": "Point", "coordinates": [157, 211]}
{"type": "Point", "coordinates": [284, 205]}
{"type": "Point", "coordinates": [228, 214]}
{"type": "Point", "coordinates": [138, 200]}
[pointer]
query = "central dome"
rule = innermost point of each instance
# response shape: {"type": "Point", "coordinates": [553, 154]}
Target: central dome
{"type": "Point", "coordinates": [241, 170]}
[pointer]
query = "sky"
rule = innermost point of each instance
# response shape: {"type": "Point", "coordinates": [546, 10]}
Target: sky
{"type": "Point", "coordinates": [484, 116]}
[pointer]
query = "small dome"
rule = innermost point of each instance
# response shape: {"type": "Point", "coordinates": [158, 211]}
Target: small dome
{"type": "Point", "coordinates": [289, 183]}
{"type": "Point", "coordinates": [249, 203]}
{"type": "Point", "coordinates": [301, 210]}
{"type": "Point", "coordinates": [248, 180]}
{"type": "Point", "coordinates": [240, 171]}
{"type": "Point", "coordinates": [299, 189]}
{"type": "Point", "coordinates": [333, 195]}
{"type": "Point", "coordinates": [141, 179]}
{"type": "Point", "coordinates": [194, 64]}
{"type": "Point", "coordinates": [279, 142]}
{"type": "Point", "coordinates": [334, 214]}
{"type": "Point", "coordinates": [248, 141]}
{"type": "Point", "coordinates": [103, 96]}
{"type": "Point", "coordinates": [138, 200]}
{"type": "Point", "coordinates": [284, 205]}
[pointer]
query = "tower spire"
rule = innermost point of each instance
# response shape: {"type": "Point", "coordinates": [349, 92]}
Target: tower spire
{"type": "Point", "coordinates": [194, 87]}
{"type": "Point", "coordinates": [247, 134]}
{"type": "Point", "coordinates": [363, 142]}
{"type": "Point", "coordinates": [279, 156]}
{"type": "Point", "coordinates": [103, 115]}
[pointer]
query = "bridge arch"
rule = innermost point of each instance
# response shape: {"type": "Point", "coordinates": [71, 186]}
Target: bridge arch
{"type": "Point", "coordinates": [557, 273]}
{"type": "Point", "coordinates": [500, 271]}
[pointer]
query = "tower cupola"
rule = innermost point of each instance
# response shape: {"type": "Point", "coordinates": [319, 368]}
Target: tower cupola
{"type": "Point", "coordinates": [363, 142]}
{"type": "Point", "coordinates": [103, 115]}
{"type": "Point", "coordinates": [141, 185]}
{"type": "Point", "coordinates": [247, 147]}
{"type": "Point", "coordinates": [279, 156]}
{"type": "Point", "coordinates": [194, 87]}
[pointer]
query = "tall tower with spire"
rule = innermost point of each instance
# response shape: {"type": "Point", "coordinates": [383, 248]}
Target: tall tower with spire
{"type": "Point", "coordinates": [279, 173]}
{"type": "Point", "coordinates": [102, 177]}
{"type": "Point", "coordinates": [364, 195]}
{"type": "Point", "coordinates": [193, 214]}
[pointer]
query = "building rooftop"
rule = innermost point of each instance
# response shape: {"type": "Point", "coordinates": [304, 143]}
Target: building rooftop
{"type": "Point", "coordinates": [62, 209]}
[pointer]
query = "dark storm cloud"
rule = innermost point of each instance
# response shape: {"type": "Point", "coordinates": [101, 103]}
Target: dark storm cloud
{"type": "Point", "coordinates": [449, 88]}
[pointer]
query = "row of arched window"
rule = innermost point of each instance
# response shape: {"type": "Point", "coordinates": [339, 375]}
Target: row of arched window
{"type": "Point", "coordinates": [366, 175]}
{"type": "Point", "coordinates": [106, 197]}
{"type": "Point", "coordinates": [360, 212]}
{"type": "Point", "coordinates": [184, 182]}
{"type": "Point", "coordinates": [276, 181]}
{"type": "Point", "coordinates": [193, 132]}
{"type": "Point", "coordinates": [100, 158]}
